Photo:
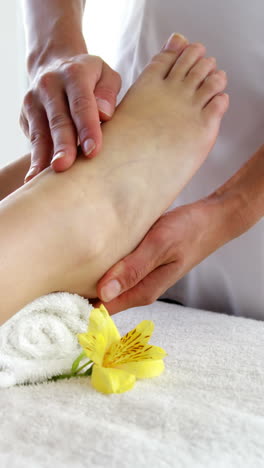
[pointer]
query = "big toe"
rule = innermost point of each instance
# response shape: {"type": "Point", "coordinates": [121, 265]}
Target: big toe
{"type": "Point", "coordinates": [162, 63]}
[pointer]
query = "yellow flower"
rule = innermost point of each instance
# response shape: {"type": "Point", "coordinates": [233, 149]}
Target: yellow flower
{"type": "Point", "coordinates": [119, 361]}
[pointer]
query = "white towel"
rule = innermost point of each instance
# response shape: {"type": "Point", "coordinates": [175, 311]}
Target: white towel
{"type": "Point", "coordinates": [40, 340]}
{"type": "Point", "coordinates": [205, 411]}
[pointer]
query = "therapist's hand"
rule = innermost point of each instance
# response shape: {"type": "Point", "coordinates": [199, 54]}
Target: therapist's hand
{"type": "Point", "coordinates": [68, 97]}
{"type": "Point", "coordinates": [182, 238]}
{"type": "Point", "coordinates": [177, 242]}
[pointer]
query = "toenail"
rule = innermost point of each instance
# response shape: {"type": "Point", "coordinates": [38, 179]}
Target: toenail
{"type": "Point", "coordinates": [175, 42]}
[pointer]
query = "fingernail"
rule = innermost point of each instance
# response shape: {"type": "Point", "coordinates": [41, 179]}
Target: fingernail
{"type": "Point", "coordinates": [104, 107]}
{"type": "Point", "coordinates": [175, 42]}
{"type": "Point", "coordinates": [33, 171]}
{"type": "Point", "coordinates": [88, 146]}
{"type": "Point", "coordinates": [110, 290]}
{"type": "Point", "coordinates": [59, 155]}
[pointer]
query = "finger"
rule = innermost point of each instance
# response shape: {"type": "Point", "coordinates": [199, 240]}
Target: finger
{"type": "Point", "coordinates": [147, 291]}
{"type": "Point", "coordinates": [83, 108]}
{"type": "Point", "coordinates": [106, 92]}
{"type": "Point", "coordinates": [61, 126]}
{"type": "Point", "coordinates": [129, 271]}
{"type": "Point", "coordinates": [41, 141]}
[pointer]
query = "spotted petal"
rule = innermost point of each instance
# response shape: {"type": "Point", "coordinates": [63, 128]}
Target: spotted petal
{"type": "Point", "coordinates": [142, 332]}
{"type": "Point", "coordinates": [107, 380]}
{"type": "Point", "coordinates": [119, 353]}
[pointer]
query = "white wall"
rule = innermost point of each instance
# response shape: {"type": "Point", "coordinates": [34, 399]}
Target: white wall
{"type": "Point", "coordinates": [101, 27]}
{"type": "Point", "coordinates": [12, 81]}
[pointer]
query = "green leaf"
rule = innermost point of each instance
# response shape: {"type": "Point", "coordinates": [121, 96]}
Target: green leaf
{"type": "Point", "coordinates": [77, 362]}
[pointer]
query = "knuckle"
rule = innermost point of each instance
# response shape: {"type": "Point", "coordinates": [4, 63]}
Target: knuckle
{"type": "Point", "coordinates": [80, 104]}
{"type": "Point", "coordinates": [37, 137]}
{"type": "Point", "coordinates": [165, 244]}
{"type": "Point", "coordinates": [46, 80]}
{"type": "Point", "coordinates": [147, 298]}
{"type": "Point", "coordinates": [59, 120]}
{"type": "Point", "coordinates": [71, 69]}
{"type": "Point", "coordinates": [161, 237]}
{"type": "Point", "coordinates": [96, 60]}
{"type": "Point", "coordinates": [133, 275]}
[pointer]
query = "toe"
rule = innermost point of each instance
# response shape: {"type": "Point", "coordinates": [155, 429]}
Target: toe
{"type": "Point", "coordinates": [162, 62]}
{"type": "Point", "coordinates": [213, 85]}
{"type": "Point", "coordinates": [216, 108]}
{"type": "Point", "coordinates": [186, 61]}
{"type": "Point", "coordinates": [199, 72]}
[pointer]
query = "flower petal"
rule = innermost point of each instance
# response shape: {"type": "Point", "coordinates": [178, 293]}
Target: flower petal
{"type": "Point", "coordinates": [101, 322]}
{"type": "Point", "coordinates": [133, 343]}
{"type": "Point", "coordinates": [107, 380]}
{"type": "Point", "coordinates": [119, 354]}
{"type": "Point", "coordinates": [142, 332]}
{"type": "Point", "coordinates": [94, 346]}
{"type": "Point", "coordinates": [144, 369]}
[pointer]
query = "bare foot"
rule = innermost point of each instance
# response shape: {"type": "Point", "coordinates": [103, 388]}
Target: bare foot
{"type": "Point", "coordinates": [89, 217]}
{"type": "Point", "coordinates": [159, 136]}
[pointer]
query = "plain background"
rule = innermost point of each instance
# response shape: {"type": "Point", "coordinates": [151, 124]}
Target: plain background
{"type": "Point", "coordinates": [101, 28]}
{"type": "Point", "coordinates": [12, 81]}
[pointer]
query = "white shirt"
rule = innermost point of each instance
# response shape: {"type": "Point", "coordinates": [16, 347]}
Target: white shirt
{"type": "Point", "coordinates": [231, 279]}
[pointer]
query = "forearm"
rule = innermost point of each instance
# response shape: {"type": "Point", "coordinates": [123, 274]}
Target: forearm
{"type": "Point", "coordinates": [53, 29]}
{"type": "Point", "coordinates": [12, 176]}
{"type": "Point", "coordinates": [241, 198]}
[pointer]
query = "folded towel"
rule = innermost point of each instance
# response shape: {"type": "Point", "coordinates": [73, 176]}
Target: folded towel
{"type": "Point", "coordinates": [40, 340]}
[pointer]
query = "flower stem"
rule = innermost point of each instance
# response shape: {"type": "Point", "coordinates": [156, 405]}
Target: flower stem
{"type": "Point", "coordinates": [82, 367]}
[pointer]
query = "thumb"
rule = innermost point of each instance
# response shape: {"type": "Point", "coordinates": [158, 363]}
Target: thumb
{"type": "Point", "coordinates": [106, 92]}
{"type": "Point", "coordinates": [129, 271]}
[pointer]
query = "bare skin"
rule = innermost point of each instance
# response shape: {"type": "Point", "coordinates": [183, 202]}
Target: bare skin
{"type": "Point", "coordinates": [81, 222]}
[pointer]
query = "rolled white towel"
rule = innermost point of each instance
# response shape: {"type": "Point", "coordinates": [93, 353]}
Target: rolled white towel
{"type": "Point", "coordinates": [40, 340]}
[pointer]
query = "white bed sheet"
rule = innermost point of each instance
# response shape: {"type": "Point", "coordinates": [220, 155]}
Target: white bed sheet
{"type": "Point", "coordinates": [206, 410]}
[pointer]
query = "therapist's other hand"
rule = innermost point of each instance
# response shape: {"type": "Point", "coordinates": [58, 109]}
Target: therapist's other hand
{"type": "Point", "coordinates": [178, 241]}
{"type": "Point", "coordinates": [173, 245]}
{"type": "Point", "coordinates": [67, 99]}
{"type": "Point", "coordinates": [182, 238]}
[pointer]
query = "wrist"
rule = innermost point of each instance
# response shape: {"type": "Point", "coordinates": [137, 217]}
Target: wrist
{"type": "Point", "coordinates": [242, 196]}
{"type": "Point", "coordinates": [55, 48]}
{"type": "Point", "coordinates": [227, 213]}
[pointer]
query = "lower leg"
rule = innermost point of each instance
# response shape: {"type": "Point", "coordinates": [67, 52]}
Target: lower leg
{"type": "Point", "coordinates": [12, 176]}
